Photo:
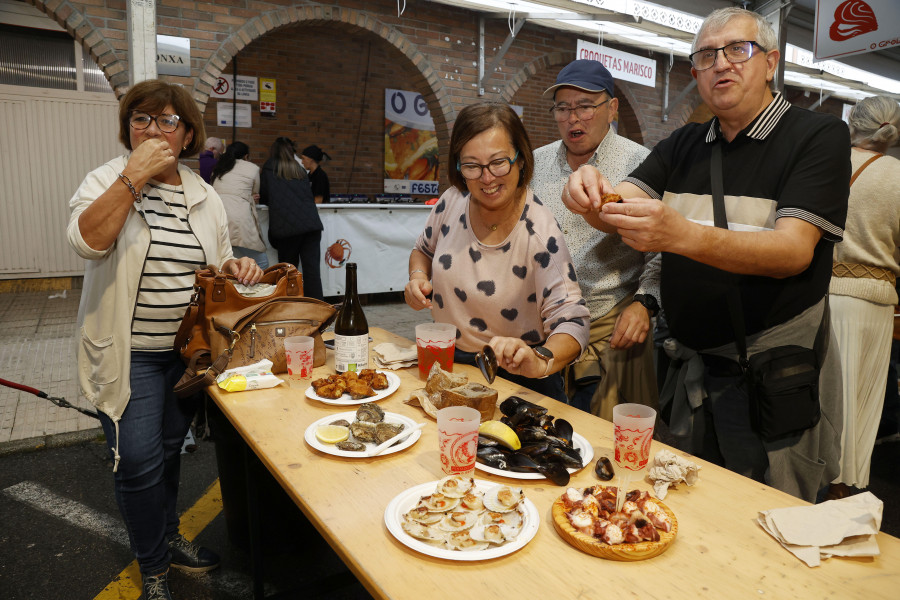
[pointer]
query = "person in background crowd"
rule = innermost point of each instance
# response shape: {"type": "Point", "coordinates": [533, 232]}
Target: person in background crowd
{"type": "Point", "coordinates": [237, 181]}
{"type": "Point", "coordinates": [619, 283]}
{"type": "Point", "coordinates": [130, 223]}
{"type": "Point", "coordinates": [295, 229]}
{"type": "Point", "coordinates": [786, 174]}
{"type": "Point", "coordinates": [862, 293]}
{"type": "Point", "coordinates": [312, 158]}
{"type": "Point", "coordinates": [212, 150]}
{"type": "Point", "coordinates": [495, 259]}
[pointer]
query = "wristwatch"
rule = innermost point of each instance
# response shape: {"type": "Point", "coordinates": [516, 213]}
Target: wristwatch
{"type": "Point", "coordinates": [545, 355]}
{"type": "Point", "coordinates": [649, 302]}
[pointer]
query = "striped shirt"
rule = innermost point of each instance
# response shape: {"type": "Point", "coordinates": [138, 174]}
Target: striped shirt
{"type": "Point", "coordinates": [168, 275]}
{"type": "Point", "coordinates": [788, 162]}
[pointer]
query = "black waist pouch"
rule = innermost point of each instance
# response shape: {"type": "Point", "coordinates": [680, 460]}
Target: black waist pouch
{"type": "Point", "coordinates": [783, 385]}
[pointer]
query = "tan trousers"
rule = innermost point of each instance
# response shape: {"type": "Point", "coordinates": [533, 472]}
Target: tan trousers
{"type": "Point", "coordinates": [625, 375]}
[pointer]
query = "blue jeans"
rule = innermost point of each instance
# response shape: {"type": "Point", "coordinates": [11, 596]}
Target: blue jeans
{"type": "Point", "coordinates": [551, 386]}
{"type": "Point", "coordinates": [261, 258]}
{"type": "Point", "coordinates": [151, 433]}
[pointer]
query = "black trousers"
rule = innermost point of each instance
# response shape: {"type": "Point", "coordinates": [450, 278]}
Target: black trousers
{"type": "Point", "coordinates": [303, 252]}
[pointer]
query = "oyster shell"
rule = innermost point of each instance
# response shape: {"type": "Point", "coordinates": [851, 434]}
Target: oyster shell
{"type": "Point", "coordinates": [455, 486]}
{"type": "Point", "coordinates": [363, 431]}
{"type": "Point", "coordinates": [385, 431]}
{"type": "Point", "coordinates": [351, 446]}
{"type": "Point", "coordinates": [461, 540]}
{"type": "Point", "coordinates": [341, 422]}
{"type": "Point", "coordinates": [502, 498]}
{"type": "Point", "coordinates": [370, 413]}
{"type": "Point", "coordinates": [457, 521]}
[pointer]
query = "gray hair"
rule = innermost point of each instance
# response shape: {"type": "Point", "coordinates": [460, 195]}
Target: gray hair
{"type": "Point", "coordinates": [717, 19]}
{"type": "Point", "coordinates": [875, 119]}
{"type": "Point", "coordinates": [214, 143]}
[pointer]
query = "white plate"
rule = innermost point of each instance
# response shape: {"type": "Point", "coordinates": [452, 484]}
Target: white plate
{"type": "Point", "coordinates": [402, 503]}
{"type": "Point", "coordinates": [389, 417]}
{"type": "Point", "coordinates": [346, 400]}
{"type": "Point", "coordinates": [578, 441]}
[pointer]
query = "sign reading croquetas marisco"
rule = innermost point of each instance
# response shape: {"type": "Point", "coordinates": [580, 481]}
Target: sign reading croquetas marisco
{"type": "Point", "coordinates": [847, 27]}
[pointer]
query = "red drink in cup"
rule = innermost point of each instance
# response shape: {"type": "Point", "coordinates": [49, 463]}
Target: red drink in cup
{"type": "Point", "coordinates": [435, 342]}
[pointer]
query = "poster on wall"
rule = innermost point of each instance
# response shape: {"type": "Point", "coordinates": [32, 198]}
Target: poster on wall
{"type": "Point", "coordinates": [267, 95]}
{"type": "Point", "coordinates": [410, 145]}
{"type": "Point", "coordinates": [847, 27]}
{"type": "Point", "coordinates": [227, 111]}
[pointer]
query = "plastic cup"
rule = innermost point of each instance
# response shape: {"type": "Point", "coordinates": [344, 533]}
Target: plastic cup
{"type": "Point", "coordinates": [634, 425]}
{"type": "Point", "coordinates": [458, 438]}
{"type": "Point", "coordinates": [299, 352]}
{"type": "Point", "coordinates": [435, 342]}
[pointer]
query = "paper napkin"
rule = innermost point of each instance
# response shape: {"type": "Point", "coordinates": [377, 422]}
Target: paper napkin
{"type": "Point", "coordinates": [669, 469]}
{"type": "Point", "coordinates": [392, 356]}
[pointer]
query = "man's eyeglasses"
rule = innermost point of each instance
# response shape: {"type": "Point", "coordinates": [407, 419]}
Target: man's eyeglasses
{"type": "Point", "coordinates": [735, 52]}
{"type": "Point", "coordinates": [497, 168]}
{"type": "Point", "coordinates": [585, 112]}
{"type": "Point", "coordinates": [165, 123]}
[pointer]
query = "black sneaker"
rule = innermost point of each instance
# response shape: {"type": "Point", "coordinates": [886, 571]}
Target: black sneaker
{"type": "Point", "coordinates": [188, 556]}
{"type": "Point", "coordinates": [156, 587]}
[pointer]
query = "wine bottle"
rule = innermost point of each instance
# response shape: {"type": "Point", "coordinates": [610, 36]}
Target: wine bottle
{"type": "Point", "coordinates": [351, 330]}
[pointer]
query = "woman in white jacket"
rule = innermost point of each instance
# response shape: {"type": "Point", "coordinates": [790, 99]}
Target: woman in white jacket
{"type": "Point", "coordinates": [237, 181]}
{"type": "Point", "coordinates": [144, 223]}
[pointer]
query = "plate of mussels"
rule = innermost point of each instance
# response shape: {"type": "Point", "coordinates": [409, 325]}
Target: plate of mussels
{"type": "Point", "coordinates": [368, 426]}
{"type": "Point", "coordinates": [548, 447]}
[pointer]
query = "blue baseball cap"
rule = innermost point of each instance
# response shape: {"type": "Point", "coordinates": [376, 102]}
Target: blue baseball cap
{"type": "Point", "coordinates": [588, 75]}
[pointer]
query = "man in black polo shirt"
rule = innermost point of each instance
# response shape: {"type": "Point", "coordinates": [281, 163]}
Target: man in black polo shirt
{"type": "Point", "coordinates": [786, 178]}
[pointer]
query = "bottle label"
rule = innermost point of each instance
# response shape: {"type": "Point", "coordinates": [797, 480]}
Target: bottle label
{"type": "Point", "coordinates": [351, 352]}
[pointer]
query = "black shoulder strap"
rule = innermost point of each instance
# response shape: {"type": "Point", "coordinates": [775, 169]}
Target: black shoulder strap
{"type": "Point", "coordinates": [735, 308]}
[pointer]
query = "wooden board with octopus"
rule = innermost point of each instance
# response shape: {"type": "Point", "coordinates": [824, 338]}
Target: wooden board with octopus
{"type": "Point", "coordinates": [664, 523]}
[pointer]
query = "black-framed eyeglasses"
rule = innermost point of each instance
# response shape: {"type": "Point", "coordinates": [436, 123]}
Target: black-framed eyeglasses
{"type": "Point", "coordinates": [165, 123]}
{"type": "Point", "coordinates": [735, 52]}
{"type": "Point", "coordinates": [585, 112]}
{"type": "Point", "coordinates": [497, 168]}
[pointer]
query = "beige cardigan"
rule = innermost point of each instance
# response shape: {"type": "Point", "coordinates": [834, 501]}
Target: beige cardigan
{"type": "Point", "coordinates": [112, 277]}
{"type": "Point", "coordinates": [872, 231]}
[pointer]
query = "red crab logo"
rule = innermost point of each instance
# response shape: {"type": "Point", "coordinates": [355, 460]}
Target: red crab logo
{"type": "Point", "coordinates": [852, 18]}
{"type": "Point", "coordinates": [337, 253]}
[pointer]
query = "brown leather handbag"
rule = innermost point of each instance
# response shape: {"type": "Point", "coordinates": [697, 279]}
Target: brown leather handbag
{"type": "Point", "coordinates": [224, 329]}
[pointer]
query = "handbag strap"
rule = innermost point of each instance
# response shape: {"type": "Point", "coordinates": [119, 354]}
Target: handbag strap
{"type": "Point", "coordinates": [863, 167]}
{"type": "Point", "coordinates": [735, 306]}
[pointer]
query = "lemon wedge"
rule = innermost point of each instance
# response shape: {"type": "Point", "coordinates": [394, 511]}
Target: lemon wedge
{"type": "Point", "coordinates": [332, 434]}
{"type": "Point", "coordinates": [501, 432]}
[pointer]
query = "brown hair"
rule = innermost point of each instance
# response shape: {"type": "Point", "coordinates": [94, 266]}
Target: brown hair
{"type": "Point", "coordinates": [477, 118]}
{"type": "Point", "coordinates": [152, 96]}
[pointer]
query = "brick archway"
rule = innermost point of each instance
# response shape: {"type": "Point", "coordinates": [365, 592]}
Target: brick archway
{"type": "Point", "coordinates": [438, 99]}
{"type": "Point", "coordinates": [114, 67]}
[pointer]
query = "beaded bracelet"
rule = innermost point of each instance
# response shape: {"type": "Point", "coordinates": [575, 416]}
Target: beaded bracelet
{"type": "Point", "coordinates": [134, 192]}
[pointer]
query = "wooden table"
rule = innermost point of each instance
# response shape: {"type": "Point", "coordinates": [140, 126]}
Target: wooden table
{"type": "Point", "coordinates": [720, 552]}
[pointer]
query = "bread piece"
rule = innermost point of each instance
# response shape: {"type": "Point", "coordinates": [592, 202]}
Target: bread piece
{"type": "Point", "coordinates": [480, 397]}
{"type": "Point", "coordinates": [439, 379]}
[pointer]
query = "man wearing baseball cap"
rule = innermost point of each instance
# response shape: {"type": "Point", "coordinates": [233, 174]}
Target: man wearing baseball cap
{"type": "Point", "coordinates": [620, 284]}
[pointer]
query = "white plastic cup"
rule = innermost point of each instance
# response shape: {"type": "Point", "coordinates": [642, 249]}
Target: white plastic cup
{"type": "Point", "coordinates": [299, 352]}
{"type": "Point", "coordinates": [634, 425]}
{"type": "Point", "coordinates": [435, 342]}
{"type": "Point", "coordinates": [458, 439]}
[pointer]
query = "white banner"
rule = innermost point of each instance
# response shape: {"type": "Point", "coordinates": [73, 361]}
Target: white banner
{"type": "Point", "coordinates": [379, 240]}
{"type": "Point", "coordinates": [247, 88]}
{"type": "Point", "coordinates": [847, 27]}
{"type": "Point", "coordinates": [622, 65]}
{"type": "Point", "coordinates": [173, 55]}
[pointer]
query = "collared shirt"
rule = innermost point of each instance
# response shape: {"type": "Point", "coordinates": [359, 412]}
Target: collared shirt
{"type": "Point", "coordinates": [608, 269]}
{"type": "Point", "coordinates": [788, 162]}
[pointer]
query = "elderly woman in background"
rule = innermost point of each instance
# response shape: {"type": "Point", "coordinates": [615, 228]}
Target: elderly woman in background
{"type": "Point", "coordinates": [492, 259]}
{"type": "Point", "coordinates": [862, 292]}
{"type": "Point", "coordinates": [295, 229]}
{"type": "Point", "coordinates": [144, 223]}
{"type": "Point", "coordinates": [237, 181]}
